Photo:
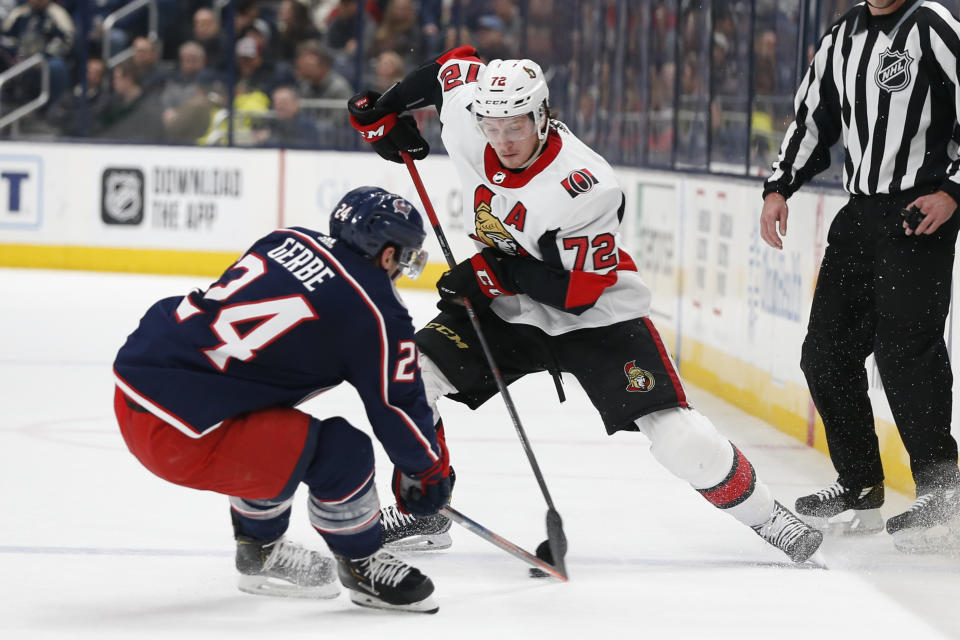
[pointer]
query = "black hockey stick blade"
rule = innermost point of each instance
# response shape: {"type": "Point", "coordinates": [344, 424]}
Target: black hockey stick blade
{"type": "Point", "coordinates": [557, 540]}
{"type": "Point", "coordinates": [499, 541]}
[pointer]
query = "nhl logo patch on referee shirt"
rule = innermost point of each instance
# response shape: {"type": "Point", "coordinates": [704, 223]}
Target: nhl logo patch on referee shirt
{"type": "Point", "coordinates": [893, 71]}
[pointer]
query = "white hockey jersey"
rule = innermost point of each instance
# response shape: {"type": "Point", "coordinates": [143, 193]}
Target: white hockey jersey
{"type": "Point", "coordinates": [564, 209]}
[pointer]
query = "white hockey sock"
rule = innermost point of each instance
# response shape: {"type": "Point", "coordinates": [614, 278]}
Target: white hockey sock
{"type": "Point", "coordinates": [687, 444]}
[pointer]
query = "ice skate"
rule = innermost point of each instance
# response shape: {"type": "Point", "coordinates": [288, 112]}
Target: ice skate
{"type": "Point", "coordinates": [384, 581]}
{"type": "Point", "coordinates": [405, 532]}
{"type": "Point", "coordinates": [788, 533]}
{"type": "Point", "coordinates": [840, 510]}
{"type": "Point", "coordinates": [930, 525]}
{"type": "Point", "coordinates": [286, 569]}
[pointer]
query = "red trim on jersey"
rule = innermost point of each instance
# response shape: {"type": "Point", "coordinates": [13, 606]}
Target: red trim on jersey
{"type": "Point", "coordinates": [331, 259]}
{"type": "Point", "coordinates": [741, 482]}
{"type": "Point", "coordinates": [460, 53]}
{"type": "Point", "coordinates": [586, 287]}
{"type": "Point", "coordinates": [511, 180]}
{"type": "Point", "coordinates": [667, 363]}
{"type": "Point", "coordinates": [626, 262]}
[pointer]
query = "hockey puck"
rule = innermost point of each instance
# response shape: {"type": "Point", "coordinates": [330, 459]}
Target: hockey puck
{"type": "Point", "coordinates": [543, 552]}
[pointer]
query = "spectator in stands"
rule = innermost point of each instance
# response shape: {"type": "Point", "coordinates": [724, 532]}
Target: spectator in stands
{"type": "Point", "coordinates": [67, 114]}
{"type": "Point", "coordinates": [98, 12]}
{"type": "Point", "coordinates": [660, 128]}
{"type": "Point", "coordinates": [248, 21]}
{"type": "Point", "coordinates": [39, 26]}
{"type": "Point", "coordinates": [315, 75]}
{"type": "Point", "coordinates": [251, 70]}
{"type": "Point", "coordinates": [509, 15]}
{"type": "Point", "coordinates": [289, 128]}
{"type": "Point", "coordinates": [6, 8]}
{"type": "Point", "coordinates": [294, 25]}
{"type": "Point", "coordinates": [489, 38]}
{"type": "Point", "coordinates": [772, 77]}
{"type": "Point", "coordinates": [496, 25]}
{"type": "Point", "coordinates": [153, 75]}
{"type": "Point", "coordinates": [342, 27]}
{"type": "Point", "coordinates": [192, 72]}
{"type": "Point", "coordinates": [431, 16]}
{"type": "Point", "coordinates": [388, 68]}
{"type": "Point", "coordinates": [190, 120]}
{"type": "Point", "coordinates": [398, 31]}
{"type": "Point", "coordinates": [130, 114]}
{"type": "Point", "coordinates": [206, 32]}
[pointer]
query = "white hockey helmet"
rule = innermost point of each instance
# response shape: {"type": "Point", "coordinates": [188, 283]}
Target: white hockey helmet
{"type": "Point", "coordinates": [509, 88]}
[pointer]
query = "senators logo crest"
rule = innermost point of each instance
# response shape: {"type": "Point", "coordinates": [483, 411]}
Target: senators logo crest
{"type": "Point", "coordinates": [638, 379]}
{"type": "Point", "coordinates": [579, 181]}
{"type": "Point", "coordinates": [489, 229]}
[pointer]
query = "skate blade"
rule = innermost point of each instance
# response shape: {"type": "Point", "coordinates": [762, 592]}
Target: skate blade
{"type": "Point", "coordinates": [942, 539]}
{"type": "Point", "coordinates": [860, 523]}
{"type": "Point", "coordinates": [432, 542]}
{"type": "Point", "coordinates": [274, 587]}
{"type": "Point", "coordinates": [427, 605]}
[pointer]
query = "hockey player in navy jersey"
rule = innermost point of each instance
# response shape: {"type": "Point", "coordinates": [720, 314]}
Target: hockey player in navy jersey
{"type": "Point", "coordinates": [208, 384]}
{"type": "Point", "coordinates": [553, 287]}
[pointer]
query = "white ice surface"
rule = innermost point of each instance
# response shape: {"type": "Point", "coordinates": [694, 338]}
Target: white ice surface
{"type": "Point", "coordinates": [92, 546]}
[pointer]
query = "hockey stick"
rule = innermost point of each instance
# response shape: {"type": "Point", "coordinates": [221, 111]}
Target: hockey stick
{"type": "Point", "coordinates": [555, 536]}
{"type": "Point", "coordinates": [503, 543]}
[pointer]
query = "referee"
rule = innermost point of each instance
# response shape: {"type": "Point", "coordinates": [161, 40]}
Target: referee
{"type": "Point", "coordinates": [884, 79]}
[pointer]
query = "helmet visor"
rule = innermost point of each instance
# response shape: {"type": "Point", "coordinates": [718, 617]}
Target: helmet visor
{"type": "Point", "coordinates": [509, 129]}
{"type": "Point", "coordinates": [412, 261]}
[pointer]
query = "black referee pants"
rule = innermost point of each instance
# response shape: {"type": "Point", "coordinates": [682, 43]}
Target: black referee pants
{"type": "Point", "coordinates": [883, 292]}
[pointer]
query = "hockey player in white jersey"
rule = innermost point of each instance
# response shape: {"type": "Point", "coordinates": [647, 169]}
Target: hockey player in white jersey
{"type": "Point", "coordinates": [552, 287]}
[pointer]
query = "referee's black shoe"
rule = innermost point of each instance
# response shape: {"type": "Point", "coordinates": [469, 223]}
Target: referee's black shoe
{"type": "Point", "coordinates": [843, 510]}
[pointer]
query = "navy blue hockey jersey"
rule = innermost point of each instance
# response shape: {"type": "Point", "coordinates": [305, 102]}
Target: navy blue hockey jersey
{"type": "Point", "coordinates": [298, 314]}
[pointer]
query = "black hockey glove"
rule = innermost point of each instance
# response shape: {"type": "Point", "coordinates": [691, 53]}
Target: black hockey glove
{"type": "Point", "coordinates": [387, 133]}
{"type": "Point", "coordinates": [425, 493]}
{"type": "Point", "coordinates": [479, 279]}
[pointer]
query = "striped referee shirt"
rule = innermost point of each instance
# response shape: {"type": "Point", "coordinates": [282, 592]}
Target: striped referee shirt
{"type": "Point", "coordinates": [888, 85]}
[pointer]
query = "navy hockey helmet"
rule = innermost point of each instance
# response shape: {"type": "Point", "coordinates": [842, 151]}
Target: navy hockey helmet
{"type": "Point", "coordinates": [367, 219]}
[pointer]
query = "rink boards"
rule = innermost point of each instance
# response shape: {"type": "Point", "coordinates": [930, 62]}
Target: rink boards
{"type": "Point", "coordinates": [734, 310]}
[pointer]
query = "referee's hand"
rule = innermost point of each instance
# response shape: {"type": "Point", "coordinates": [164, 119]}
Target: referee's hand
{"type": "Point", "coordinates": [937, 208]}
{"type": "Point", "coordinates": [774, 212]}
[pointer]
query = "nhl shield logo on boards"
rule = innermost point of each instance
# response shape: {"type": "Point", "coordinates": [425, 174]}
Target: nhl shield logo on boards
{"type": "Point", "coordinates": [893, 71]}
{"type": "Point", "coordinates": [122, 196]}
{"type": "Point", "coordinates": [638, 379]}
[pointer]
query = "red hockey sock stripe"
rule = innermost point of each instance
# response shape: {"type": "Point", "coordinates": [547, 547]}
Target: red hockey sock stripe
{"type": "Point", "coordinates": [736, 487]}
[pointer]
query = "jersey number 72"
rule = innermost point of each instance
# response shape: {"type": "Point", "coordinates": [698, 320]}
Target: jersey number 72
{"type": "Point", "coordinates": [602, 247]}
